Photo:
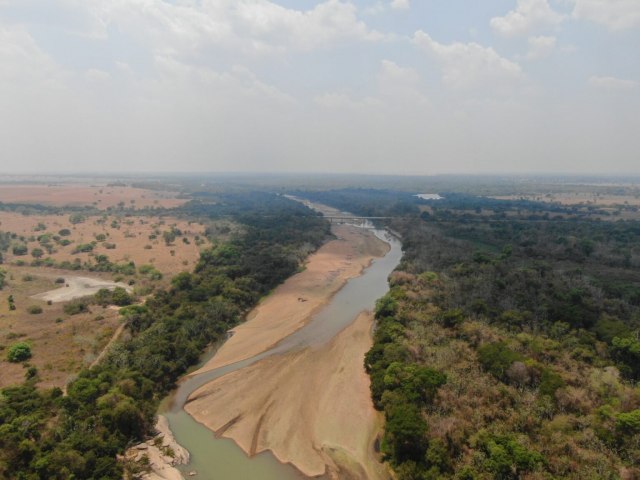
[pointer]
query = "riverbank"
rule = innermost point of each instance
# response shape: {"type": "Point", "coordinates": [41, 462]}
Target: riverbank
{"type": "Point", "coordinates": [294, 303]}
{"type": "Point", "coordinates": [163, 453]}
{"type": "Point", "coordinates": [311, 408]}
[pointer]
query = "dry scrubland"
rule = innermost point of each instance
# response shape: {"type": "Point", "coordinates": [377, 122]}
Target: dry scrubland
{"type": "Point", "coordinates": [99, 196]}
{"type": "Point", "coordinates": [61, 344]}
{"type": "Point", "coordinates": [125, 239]}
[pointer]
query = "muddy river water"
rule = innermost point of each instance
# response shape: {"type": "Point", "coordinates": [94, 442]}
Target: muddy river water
{"type": "Point", "coordinates": [221, 459]}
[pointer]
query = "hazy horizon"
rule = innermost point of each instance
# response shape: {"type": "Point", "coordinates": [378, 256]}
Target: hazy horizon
{"type": "Point", "coordinates": [385, 87]}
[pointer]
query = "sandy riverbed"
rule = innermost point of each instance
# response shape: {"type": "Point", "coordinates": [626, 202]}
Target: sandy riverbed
{"type": "Point", "coordinates": [294, 302]}
{"type": "Point", "coordinates": [311, 408]}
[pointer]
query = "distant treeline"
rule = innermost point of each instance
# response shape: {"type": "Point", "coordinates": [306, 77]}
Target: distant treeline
{"type": "Point", "coordinates": [47, 435]}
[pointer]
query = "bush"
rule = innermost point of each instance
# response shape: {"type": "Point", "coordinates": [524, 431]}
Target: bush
{"type": "Point", "coordinates": [34, 309]}
{"type": "Point", "coordinates": [550, 381]}
{"type": "Point", "coordinates": [628, 423]}
{"type": "Point", "coordinates": [507, 458]}
{"type": "Point", "coordinates": [76, 307]}
{"type": "Point", "coordinates": [20, 249]}
{"type": "Point", "coordinates": [19, 352]}
{"type": "Point", "coordinates": [65, 232]}
{"type": "Point", "coordinates": [83, 248]}
{"type": "Point", "coordinates": [76, 218]}
{"type": "Point", "coordinates": [496, 358]}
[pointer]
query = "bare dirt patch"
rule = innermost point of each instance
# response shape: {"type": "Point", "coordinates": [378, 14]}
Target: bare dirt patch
{"type": "Point", "coordinates": [78, 287]}
{"type": "Point", "coordinates": [99, 196]}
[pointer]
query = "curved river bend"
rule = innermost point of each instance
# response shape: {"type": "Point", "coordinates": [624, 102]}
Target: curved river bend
{"type": "Point", "coordinates": [221, 459]}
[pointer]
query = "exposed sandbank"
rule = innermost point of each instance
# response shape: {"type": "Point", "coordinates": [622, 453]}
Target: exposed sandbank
{"type": "Point", "coordinates": [311, 408]}
{"type": "Point", "coordinates": [294, 303]}
{"type": "Point", "coordinates": [163, 452]}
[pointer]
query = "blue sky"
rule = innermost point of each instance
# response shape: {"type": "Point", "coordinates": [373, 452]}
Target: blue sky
{"type": "Point", "coordinates": [383, 86]}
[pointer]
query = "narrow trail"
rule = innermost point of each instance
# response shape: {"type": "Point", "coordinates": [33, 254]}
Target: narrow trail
{"type": "Point", "coordinates": [116, 335]}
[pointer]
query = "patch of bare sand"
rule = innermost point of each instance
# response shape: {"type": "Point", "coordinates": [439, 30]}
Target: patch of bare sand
{"type": "Point", "coordinates": [78, 287]}
{"type": "Point", "coordinates": [311, 408]}
{"type": "Point", "coordinates": [294, 302]}
{"type": "Point", "coordinates": [162, 452]}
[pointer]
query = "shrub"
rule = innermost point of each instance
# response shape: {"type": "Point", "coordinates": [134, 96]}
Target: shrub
{"type": "Point", "coordinates": [496, 358]}
{"type": "Point", "coordinates": [628, 423]}
{"type": "Point", "coordinates": [550, 381]}
{"type": "Point", "coordinates": [76, 307]}
{"type": "Point", "coordinates": [34, 309]}
{"type": "Point", "coordinates": [20, 249]}
{"type": "Point", "coordinates": [76, 218]}
{"type": "Point", "coordinates": [507, 458]}
{"type": "Point", "coordinates": [83, 248]}
{"type": "Point", "coordinates": [19, 352]}
{"type": "Point", "coordinates": [452, 318]}
{"type": "Point", "coordinates": [65, 232]}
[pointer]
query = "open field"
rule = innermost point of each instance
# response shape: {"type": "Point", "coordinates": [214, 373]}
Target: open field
{"type": "Point", "coordinates": [60, 343]}
{"type": "Point", "coordinates": [121, 239]}
{"type": "Point", "coordinates": [98, 196]}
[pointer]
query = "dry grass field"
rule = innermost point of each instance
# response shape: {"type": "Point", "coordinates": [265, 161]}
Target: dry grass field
{"type": "Point", "coordinates": [61, 344]}
{"type": "Point", "coordinates": [98, 196]}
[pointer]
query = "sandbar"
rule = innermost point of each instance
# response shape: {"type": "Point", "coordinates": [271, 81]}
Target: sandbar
{"type": "Point", "coordinates": [293, 304]}
{"type": "Point", "coordinates": [311, 408]}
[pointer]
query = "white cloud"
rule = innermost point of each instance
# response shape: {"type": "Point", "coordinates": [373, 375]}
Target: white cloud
{"type": "Point", "coordinates": [327, 23]}
{"type": "Point", "coordinates": [470, 65]}
{"type": "Point", "coordinates": [400, 4]}
{"type": "Point", "coordinates": [250, 26]}
{"type": "Point", "coordinates": [527, 16]}
{"type": "Point", "coordinates": [541, 47]}
{"type": "Point", "coordinates": [613, 14]}
{"type": "Point", "coordinates": [612, 83]}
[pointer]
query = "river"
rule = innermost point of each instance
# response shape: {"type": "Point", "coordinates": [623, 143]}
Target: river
{"type": "Point", "coordinates": [221, 459]}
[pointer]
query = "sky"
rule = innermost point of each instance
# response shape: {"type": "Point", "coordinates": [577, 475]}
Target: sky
{"type": "Point", "coordinates": [363, 86]}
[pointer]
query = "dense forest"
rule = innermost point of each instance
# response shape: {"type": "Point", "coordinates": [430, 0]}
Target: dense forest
{"type": "Point", "coordinates": [508, 345]}
{"type": "Point", "coordinates": [49, 434]}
